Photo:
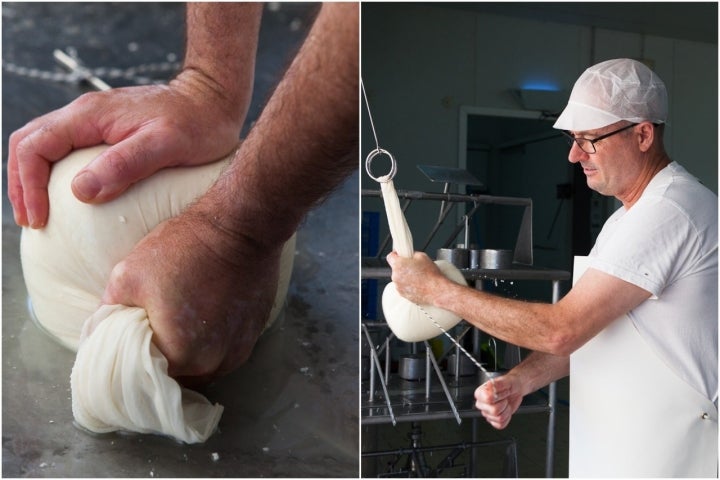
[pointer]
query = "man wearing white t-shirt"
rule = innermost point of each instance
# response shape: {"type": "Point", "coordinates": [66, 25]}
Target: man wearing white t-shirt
{"type": "Point", "coordinates": [638, 331]}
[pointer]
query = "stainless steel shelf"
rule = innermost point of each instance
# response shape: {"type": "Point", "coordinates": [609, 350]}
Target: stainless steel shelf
{"type": "Point", "coordinates": [404, 401]}
{"type": "Point", "coordinates": [409, 402]}
{"type": "Point", "coordinates": [448, 396]}
{"type": "Point", "coordinates": [374, 268]}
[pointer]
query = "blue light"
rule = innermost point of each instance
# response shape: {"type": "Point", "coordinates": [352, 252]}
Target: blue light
{"type": "Point", "coordinates": [542, 86]}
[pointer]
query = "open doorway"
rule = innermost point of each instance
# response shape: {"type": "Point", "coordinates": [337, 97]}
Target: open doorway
{"type": "Point", "coordinates": [518, 153]}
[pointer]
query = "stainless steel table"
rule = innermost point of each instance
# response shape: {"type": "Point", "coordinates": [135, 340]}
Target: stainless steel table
{"type": "Point", "coordinates": [292, 410]}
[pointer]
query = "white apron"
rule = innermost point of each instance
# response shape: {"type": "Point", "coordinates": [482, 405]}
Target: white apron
{"type": "Point", "coordinates": [630, 415]}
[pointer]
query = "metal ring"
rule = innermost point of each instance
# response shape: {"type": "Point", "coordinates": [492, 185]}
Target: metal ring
{"type": "Point", "coordinates": [393, 165]}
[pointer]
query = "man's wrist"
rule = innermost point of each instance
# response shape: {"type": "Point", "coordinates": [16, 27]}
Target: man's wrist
{"type": "Point", "coordinates": [240, 207]}
{"type": "Point", "coordinates": [442, 294]}
{"type": "Point", "coordinates": [221, 49]}
{"type": "Point", "coordinates": [204, 90]}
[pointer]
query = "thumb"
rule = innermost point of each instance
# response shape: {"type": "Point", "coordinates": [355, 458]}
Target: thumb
{"type": "Point", "coordinates": [498, 388]}
{"type": "Point", "coordinates": [118, 167]}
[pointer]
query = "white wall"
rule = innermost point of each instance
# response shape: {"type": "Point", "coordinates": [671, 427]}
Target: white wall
{"type": "Point", "coordinates": [418, 67]}
{"type": "Point", "coordinates": [421, 62]}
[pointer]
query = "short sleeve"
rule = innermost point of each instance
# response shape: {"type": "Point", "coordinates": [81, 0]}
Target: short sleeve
{"type": "Point", "coordinates": [647, 245]}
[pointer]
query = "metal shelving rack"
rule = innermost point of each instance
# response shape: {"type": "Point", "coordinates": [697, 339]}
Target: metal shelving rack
{"type": "Point", "coordinates": [388, 399]}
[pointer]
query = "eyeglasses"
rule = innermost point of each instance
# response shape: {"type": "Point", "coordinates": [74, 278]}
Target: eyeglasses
{"type": "Point", "coordinates": [587, 145]}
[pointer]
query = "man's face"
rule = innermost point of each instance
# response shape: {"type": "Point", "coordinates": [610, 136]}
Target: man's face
{"type": "Point", "coordinates": [611, 169]}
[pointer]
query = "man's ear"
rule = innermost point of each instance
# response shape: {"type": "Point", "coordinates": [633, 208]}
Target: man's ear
{"type": "Point", "coordinates": [645, 132]}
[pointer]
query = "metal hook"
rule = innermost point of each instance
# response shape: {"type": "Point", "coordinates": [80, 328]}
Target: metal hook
{"type": "Point", "coordinates": [492, 339]}
{"type": "Point", "coordinates": [393, 165]}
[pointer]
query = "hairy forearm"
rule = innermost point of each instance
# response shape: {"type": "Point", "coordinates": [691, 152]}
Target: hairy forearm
{"type": "Point", "coordinates": [537, 326]}
{"type": "Point", "coordinates": [305, 141]}
{"type": "Point", "coordinates": [540, 369]}
{"type": "Point", "coordinates": [221, 45]}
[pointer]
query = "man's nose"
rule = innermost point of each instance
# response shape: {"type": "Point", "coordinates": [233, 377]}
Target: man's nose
{"type": "Point", "coordinates": [576, 153]}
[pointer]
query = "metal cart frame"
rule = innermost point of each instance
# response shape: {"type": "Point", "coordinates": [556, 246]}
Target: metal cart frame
{"type": "Point", "coordinates": [387, 399]}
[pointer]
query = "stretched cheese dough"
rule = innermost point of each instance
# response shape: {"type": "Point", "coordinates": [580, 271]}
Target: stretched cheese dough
{"type": "Point", "coordinates": [119, 380]}
{"type": "Point", "coordinates": [129, 389]}
{"type": "Point", "coordinates": [414, 323]}
{"type": "Point", "coordinates": [408, 321]}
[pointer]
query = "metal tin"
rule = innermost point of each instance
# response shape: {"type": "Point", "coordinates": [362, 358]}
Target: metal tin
{"type": "Point", "coordinates": [491, 258]}
{"type": "Point", "coordinates": [412, 367]}
{"type": "Point", "coordinates": [460, 257]}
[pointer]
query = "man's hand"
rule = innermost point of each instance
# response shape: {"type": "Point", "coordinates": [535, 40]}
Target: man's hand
{"type": "Point", "coordinates": [418, 279]}
{"type": "Point", "coordinates": [150, 127]}
{"type": "Point", "coordinates": [207, 293]}
{"type": "Point", "coordinates": [208, 277]}
{"type": "Point", "coordinates": [499, 399]}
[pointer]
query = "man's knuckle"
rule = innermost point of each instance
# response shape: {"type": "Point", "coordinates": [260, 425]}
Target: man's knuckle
{"type": "Point", "coordinates": [86, 100]}
{"type": "Point", "coordinates": [24, 148]}
{"type": "Point", "coordinates": [120, 275]}
{"type": "Point", "coordinates": [16, 137]}
{"type": "Point", "coordinates": [16, 196]}
{"type": "Point", "coordinates": [117, 163]}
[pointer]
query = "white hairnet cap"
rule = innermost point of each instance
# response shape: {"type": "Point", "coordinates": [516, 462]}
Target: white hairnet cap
{"type": "Point", "coordinates": [620, 89]}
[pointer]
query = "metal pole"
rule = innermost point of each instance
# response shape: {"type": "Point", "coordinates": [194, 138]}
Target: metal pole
{"type": "Point", "coordinates": [552, 403]}
{"type": "Point", "coordinates": [427, 371]}
{"type": "Point", "coordinates": [371, 397]}
{"type": "Point", "coordinates": [444, 385]}
{"type": "Point", "coordinates": [453, 197]}
{"type": "Point", "coordinates": [376, 360]}
{"type": "Point", "coordinates": [387, 360]}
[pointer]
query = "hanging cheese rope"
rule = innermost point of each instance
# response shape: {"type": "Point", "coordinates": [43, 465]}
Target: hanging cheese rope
{"type": "Point", "coordinates": [408, 321]}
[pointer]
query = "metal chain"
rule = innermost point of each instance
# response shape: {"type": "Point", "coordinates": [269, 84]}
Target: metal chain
{"type": "Point", "coordinates": [135, 74]}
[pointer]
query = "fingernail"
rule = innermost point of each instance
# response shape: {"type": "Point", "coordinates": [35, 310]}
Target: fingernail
{"type": "Point", "coordinates": [86, 186]}
{"type": "Point", "coordinates": [18, 219]}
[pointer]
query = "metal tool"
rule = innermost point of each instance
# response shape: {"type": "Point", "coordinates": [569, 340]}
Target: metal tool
{"type": "Point", "coordinates": [460, 347]}
{"type": "Point", "coordinates": [74, 65]}
{"type": "Point", "coordinates": [485, 376]}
